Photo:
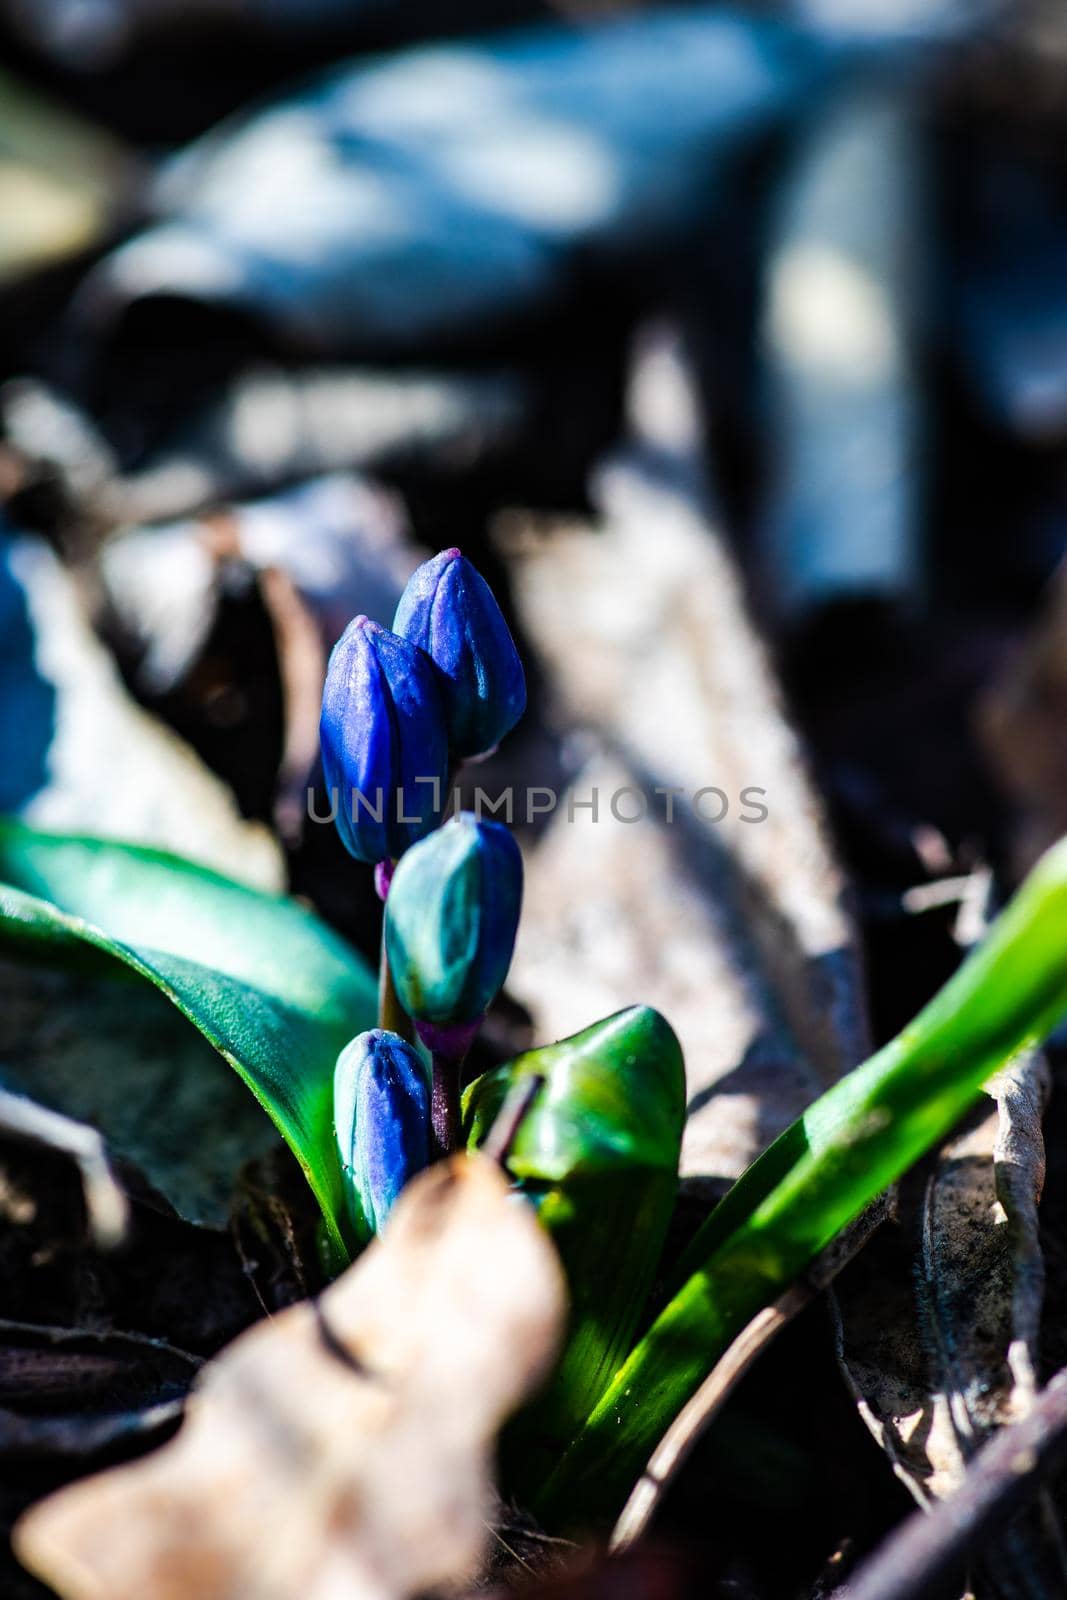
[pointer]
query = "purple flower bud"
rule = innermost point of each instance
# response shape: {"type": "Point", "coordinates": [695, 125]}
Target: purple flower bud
{"type": "Point", "coordinates": [450, 611]}
{"type": "Point", "coordinates": [384, 741]}
{"type": "Point", "coordinates": [381, 1113]}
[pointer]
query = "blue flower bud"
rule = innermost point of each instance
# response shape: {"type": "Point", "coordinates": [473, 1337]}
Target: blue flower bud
{"type": "Point", "coordinates": [451, 919]}
{"type": "Point", "coordinates": [384, 741]}
{"type": "Point", "coordinates": [450, 611]}
{"type": "Point", "coordinates": [381, 1115]}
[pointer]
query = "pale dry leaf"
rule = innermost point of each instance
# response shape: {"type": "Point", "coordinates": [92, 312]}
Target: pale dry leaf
{"type": "Point", "coordinates": [106, 1205]}
{"type": "Point", "coordinates": [109, 767]}
{"type": "Point", "coordinates": [342, 542]}
{"type": "Point", "coordinates": [344, 1448]}
{"type": "Point", "coordinates": [62, 178]}
{"type": "Point", "coordinates": [735, 929]}
{"type": "Point", "coordinates": [321, 552]}
{"type": "Point", "coordinates": [738, 931]}
{"type": "Point", "coordinates": [941, 1362]}
{"type": "Point", "coordinates": [982, 1265]}
{"type": "Point", "coordinates": [686, 864]}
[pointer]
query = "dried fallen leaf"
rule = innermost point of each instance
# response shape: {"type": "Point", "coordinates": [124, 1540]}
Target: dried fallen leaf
{"type": "Point", "coordinates": [735, 929]}
{"type": "Point", "coordinates": [100, 763]}
{"type": "Point", "coordinates": [925, 1553]}
{"type": "Point", "coordinates": [271, 426]}
{"type": "Point", "coordinates": [342, 1448]}
{"type": "Point", "coordinates": [105, 1199]}
{"type": "Point", "coordinates": [940, 1366]}
{"type": "Point", "coordinates": [929, 1407]}
{"type": "Point", "coordinates": [341, 541]}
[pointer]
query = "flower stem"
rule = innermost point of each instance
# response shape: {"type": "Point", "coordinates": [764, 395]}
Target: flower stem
{"type": "Point", "coordinates": [448, 1046]}
{"type": "Point", "coordinates": [444, 1101]}
{"type": "Point", "coordinates": [391, 1013]}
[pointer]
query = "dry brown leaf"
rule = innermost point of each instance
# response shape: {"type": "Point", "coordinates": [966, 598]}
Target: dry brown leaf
{"type": "Point", "coordinates": [939, 1364]}
{"type": "Point", "coordinates": [342, 1449]}
{"type": "Point", "coordinates": [106, 1206]}
{"type": "Point", "coordinates": [111, 767]}
{"type": "Point", "coordinates": [736, 930]}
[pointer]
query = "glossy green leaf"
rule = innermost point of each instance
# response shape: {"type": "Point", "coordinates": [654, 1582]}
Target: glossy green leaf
{"type": "Point", "coordinates": [598, 1153]}
{"type": "Point", "coordinates": [270, 986]}
{"type": "Point", "coordinates": [818, 1176]}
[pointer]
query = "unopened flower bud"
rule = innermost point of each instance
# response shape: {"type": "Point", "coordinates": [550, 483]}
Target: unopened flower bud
{"type": "Point", "coordinates": [381, 1113]}
{"type": "Point", "coordinates": [384, 741]}
{"type": "Point", "coordinates": [450, 611]}
{"type": "Point", "coordinates": [451, 919]}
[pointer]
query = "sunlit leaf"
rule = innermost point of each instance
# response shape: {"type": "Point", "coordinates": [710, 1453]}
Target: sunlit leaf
{"type": "Point", "coordinates": [269, 985]}
{"type": "Point", "coordinates": [598, 1153]}
{"type": "Point", "coordinates": [819, 1175]}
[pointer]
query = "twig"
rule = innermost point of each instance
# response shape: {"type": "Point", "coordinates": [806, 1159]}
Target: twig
{"type": "Point", "coordinates": [971, 892]}
{"type": "Point", "coordinates": [1006, 1473]}
{"type": "Point", "coordinates": [50, 1333]}
{"type": "Point", "coordinates": [694, 1417]}
{"type": "Point", "coordinates": [683, 1433]}
{"type": "Point", "coordinates": [510, 1117]}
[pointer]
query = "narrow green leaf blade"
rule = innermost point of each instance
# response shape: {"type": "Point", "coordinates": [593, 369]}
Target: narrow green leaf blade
{"type": "Point", "coordinates": [275, 990]}
{"type": "Point", "coordinates": [819, 1175]}
{"type": "Point", "coordinates": [598, 1154]}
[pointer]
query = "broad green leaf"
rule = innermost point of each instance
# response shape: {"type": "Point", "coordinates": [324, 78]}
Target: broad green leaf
{"type": "Point", "coordinates": [94, 1041]}
{"type": "Point", "coordinates": [818, 1176]}
{"type": "Point", "coordinates": [269, 985]}
{"type": "Point", "coordinates": [598, 1153]}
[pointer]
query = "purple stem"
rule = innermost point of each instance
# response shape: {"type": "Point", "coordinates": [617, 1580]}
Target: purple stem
{"type": "Point", "coordinates": [448, 1049]}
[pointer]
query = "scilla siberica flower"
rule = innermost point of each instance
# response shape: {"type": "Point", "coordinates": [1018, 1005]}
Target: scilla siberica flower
{"type": "Point", "coordinates": [450, 611]}
{"type": "Point", "coordinates": [381, 1114]}
{"type": "Point", "coordinates": [451, 919]}
{"type": "Point", "coordinates": [384, 741]}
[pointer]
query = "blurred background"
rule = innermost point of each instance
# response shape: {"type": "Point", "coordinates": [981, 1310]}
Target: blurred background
{"type": "Point", "coordinates": [294, 291]}
{"type": "Point", "coordinates": [729, 342]}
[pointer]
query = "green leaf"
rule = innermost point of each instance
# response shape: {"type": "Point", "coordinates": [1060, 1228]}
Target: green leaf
{"type": "Point", "coordinates": [818, 1176]}
{"type": "Point", "coordinates": [598, 1153]}
{"type": "Point", "coordinates": [269, 985]}
{"type": "Point", "coordinates": [97, 1043]}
